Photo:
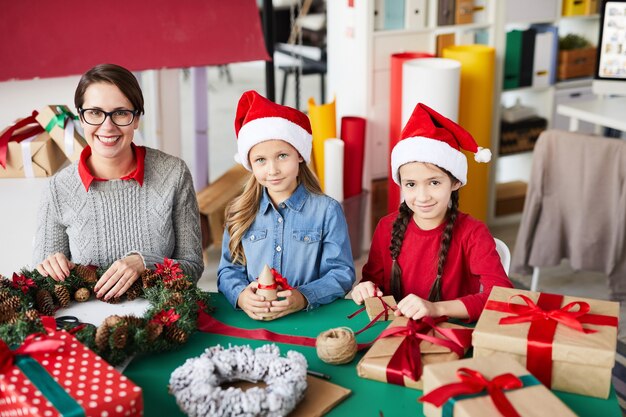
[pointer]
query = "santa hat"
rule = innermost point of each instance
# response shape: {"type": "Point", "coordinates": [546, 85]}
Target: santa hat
{"type": "Point", "coordinates": [430, 137]}
{"type": "Point", "coordinates": [259, 119]}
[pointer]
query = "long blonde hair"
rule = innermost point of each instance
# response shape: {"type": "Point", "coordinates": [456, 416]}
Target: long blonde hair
{"type": "Point", "coordinates": [242, 211]}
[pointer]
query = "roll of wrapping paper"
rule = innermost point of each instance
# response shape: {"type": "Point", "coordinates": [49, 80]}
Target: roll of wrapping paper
{"type": "Point", "coordinates": [395, 117]}
{"type": "Point", "coordinates": [475, 115]}
{"type": "Point", "coordinates": [353, 136]}
{"type": "Point", "coordinates": [333, 168]}
{"type": "Point", "coordinates": [324, 126]}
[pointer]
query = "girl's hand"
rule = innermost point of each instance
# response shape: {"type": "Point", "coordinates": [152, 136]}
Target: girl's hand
{"type": "Point", "coordinates": [119, 277]}
{"type": "Point", "coordinates": [415, 308]}
{"type": "Point", "coordinates": [56, 266]}
{"type": "Point", "coordinates": [252, 303]}
{"type": "Point", "coordinates": [293, 301]}
{"type": "Point", "coordinates": [365, 290]}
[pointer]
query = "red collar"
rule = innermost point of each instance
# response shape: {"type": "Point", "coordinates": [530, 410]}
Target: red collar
{"type": "Point", "coordinates": [87, 177]}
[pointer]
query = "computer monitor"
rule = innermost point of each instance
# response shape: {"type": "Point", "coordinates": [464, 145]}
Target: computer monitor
{"type": "Point", "coordinates": [610, 75]}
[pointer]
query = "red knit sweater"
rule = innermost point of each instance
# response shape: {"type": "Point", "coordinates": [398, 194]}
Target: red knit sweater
{"type": "Point", "coordinates": [472, 266]}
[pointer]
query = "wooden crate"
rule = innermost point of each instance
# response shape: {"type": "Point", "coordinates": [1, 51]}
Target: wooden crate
{"type": "Point", "coordinates": [576, 63]}
{"type": "Point", "coordinates": [510, 197]}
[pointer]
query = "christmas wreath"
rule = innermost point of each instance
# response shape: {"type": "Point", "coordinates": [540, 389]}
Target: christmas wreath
{"type": "Point", "coordinates": [196, 384]}
{"type": "Point", "coordinates": [168, 322]}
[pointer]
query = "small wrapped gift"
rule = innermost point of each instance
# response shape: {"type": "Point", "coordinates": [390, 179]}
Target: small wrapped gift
{"type": "Point", "coordinates": [27, 151]}
{"type": "Point", "coordinates": [380, 308]}
{"type": "Point", "coordinates": [568, 343]}
{"type": "Point", "coordinates": [55, 375]}
{"type": "Point", "coordinates": [487, 387]}
{"type": "Point", "coordinates": [398, 354]}
{"type": "Point", "coordinates": [64, 128]}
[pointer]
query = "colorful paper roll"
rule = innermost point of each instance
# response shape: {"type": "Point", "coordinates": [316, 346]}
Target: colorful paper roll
{"type": "Point", "coordinates": [333, 168]}
{"type": "Point", "coordinates": [324, 126]}
{"type": "Point", "coordinates": [353, 136]}
{"type": "Point", "coordinates": [475, 115]}
{"type": "Point", "coordinates": [395, 117]}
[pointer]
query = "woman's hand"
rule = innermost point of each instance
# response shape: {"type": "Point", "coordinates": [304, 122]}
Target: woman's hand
{"type": "Point", "coordinates": [293, 301]}
{"type": "Point", "coordinates": [56, 266]}
{"type": "Point", "coordinates": [252, 303]}
{"type": "Point", "coordinates": [365, 290]}
{"type": "Point", "coordinates": [119, 277]}
{"type": "Point", "coordinates": [415, 308]}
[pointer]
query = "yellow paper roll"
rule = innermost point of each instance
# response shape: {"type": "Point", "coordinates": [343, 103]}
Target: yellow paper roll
{"type": "Point", "coordinates": [324, 126]}
{"type": "Point", "coordinates": [475, 115]}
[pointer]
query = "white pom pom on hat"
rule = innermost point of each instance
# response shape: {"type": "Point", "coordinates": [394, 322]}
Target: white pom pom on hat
{"type": "Point", "coordinates": [430, 137]}
{"type": "Point", "coordinates": [259, 119]}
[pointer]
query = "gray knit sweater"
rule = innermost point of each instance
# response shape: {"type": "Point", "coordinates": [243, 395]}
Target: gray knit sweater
{"type": "Point", "coordinates": [159, 219]}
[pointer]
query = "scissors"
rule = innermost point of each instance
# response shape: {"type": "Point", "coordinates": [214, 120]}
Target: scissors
{"type": "Point", "coordinates": [67, 322]}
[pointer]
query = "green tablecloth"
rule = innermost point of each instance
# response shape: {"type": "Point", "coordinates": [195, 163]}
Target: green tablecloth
{"type": "Point", "coordinates": [368, 397]}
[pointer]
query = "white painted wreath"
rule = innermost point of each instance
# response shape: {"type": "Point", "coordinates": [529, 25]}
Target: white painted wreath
{"type": "Point", "coordinates": [196, 384]}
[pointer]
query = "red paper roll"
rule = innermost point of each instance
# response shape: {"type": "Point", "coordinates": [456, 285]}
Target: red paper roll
{"type": "Point", "coordinates": [395, 118]}
{"type": "Point", "coordinates": [353, 135]}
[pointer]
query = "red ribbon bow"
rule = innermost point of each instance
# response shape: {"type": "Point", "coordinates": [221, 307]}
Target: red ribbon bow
{"type": "Point", "coordinates": [473, 382]}
{"type": "Point", "coordinates": [279, 280]}
{"type": "Point", "coordinates": [407, 359]}
{"type": "Point", "coordinates": [8, 135]}
{"type": "Point", "coordinates": [34, 343]}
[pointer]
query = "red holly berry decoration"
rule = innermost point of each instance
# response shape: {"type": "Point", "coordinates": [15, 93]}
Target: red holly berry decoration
{"type": "Point", "coordinates": [165, 318]}
{"type": "Point", "coordinates": [22, 283]}
{"type": "Point", "coordinates": [169, 270]}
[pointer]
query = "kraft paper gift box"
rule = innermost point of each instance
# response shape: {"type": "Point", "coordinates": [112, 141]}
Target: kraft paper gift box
{"type": "Point", "coordinates": [37, 156]}
{"type": "Point", "coordinates": [65, 379]}
{"type": "Point", "coordinates": [64, 128]}
{"type": "Point", "coordinates": [568, 343]}
{"type": "Point", "coordinates": [524, 398]}
{"type": "Point", "coordinates": [392, 353]}
{"type": "Point", "coordinates": [376, 307]}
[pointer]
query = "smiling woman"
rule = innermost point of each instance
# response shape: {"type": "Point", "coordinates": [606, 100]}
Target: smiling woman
{"type": "Point", "coordinates": [121, 206]}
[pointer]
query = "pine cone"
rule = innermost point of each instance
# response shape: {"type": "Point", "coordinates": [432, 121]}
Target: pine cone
{"type": "Point", "coordinates": [176, 334]}
{"type": "Point", "coordinates": [88, 274]}
{"type": "Point", "coordinates": [112, 300]}
{"type": "Point", "coordinates": [32, 315]}
{"type": "Point", "coordinates": [6, 314]}
{"type": "Point", "coordinates": [82, 294]}
{"type": "Point", "coordinates": [134, 321]}
{"type": "Point", "coordinates": [135, 290]}
{"type": "Point", "coordinates": [119, 337]}
{"type": "Point", "coordinates": [176, 299]}
{"type": "Point", "coordinates": [177, 284]}
{"type": "Point", "coordinates": [12, 302]}
{"type": "Point", "coordinates": [63, 295]}
{"type": "Point", "coordinates": [153, 331]}
{"type": "Point", "coordinates": [148, 278]}
{"type": "Point", "coordinates": [112, 320]}
{"type": "Point", "coordinates": [4, 294]}
{"type": "Point", "coordinates": [44, 302]}
{"type": "Point", "coordinates": [102, 337]}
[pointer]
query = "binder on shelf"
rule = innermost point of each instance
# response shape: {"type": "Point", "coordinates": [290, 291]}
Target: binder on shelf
{"type": "Point", "coordinates": [575, 7]}
{"type": "Point", "coordinates": [443, 41]}
{"type": "Point", "coordinates": [379, 14]}
{"type": "Point", "coordinates": [512, 59]}
{"type": "Point", "coordinates": [527, 57]}
{"type": "Point", "coordinates": [592, 7]}
{"type": "Point", "coordinates": [481, 37]}
{"type": "Point", "coordinates": [542, 60]}
{"type": "Point", "coordinates": [414, 14]}
{"type": "Point", "coordinates": [394, 14]}
{"type": "Point", "coordinates": [554, 51]}
{"type": "Point", "coordinates": [445, 12]}
{"type": "Point", "coordinates": [464, 12]}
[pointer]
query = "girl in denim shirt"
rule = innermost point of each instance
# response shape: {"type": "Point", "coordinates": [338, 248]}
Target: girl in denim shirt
{"type": "Point", "coordinates": [282, 218]}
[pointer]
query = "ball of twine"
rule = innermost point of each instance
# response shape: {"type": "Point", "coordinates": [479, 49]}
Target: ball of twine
{"type": "Point", "coordinates": [336, 346]}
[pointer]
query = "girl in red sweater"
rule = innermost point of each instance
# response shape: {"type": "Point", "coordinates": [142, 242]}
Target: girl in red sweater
{"type": "Point", "coordinates": [436, 260]}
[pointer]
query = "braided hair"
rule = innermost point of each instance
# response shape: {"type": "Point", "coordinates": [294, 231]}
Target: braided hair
{"type": "Point", "coordinates": [397, 237]}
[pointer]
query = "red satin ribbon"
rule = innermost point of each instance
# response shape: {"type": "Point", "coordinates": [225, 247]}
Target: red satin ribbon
{"type": "Point", "coordinates": [473, 382]}
{"type": "Point", "coordinates": [8, 135]}
{"type": "Point", "coordinates": [33, 343]}
{"type": "Point", "coordinates": [279, 280]}
{"type": "Point", "coordinates": [544, 317]}
{"type": "Point", "coordinates": [406, 360]}
{"type": "Point", "coordinates": [386, 309]}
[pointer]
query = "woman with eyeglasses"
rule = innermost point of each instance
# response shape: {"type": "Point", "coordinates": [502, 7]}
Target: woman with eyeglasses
{"type": "Point", "coordinates": [121, 206]}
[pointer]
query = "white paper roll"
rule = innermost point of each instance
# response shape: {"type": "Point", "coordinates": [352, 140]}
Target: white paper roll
{"type": "Point", "coordinates": [333, 168]}
{"type": "Point", "coordinates": [435, 82]}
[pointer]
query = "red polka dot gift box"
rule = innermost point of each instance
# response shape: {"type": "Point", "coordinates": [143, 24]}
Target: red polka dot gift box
{"type": "Point", "coordinates": [55, 375]}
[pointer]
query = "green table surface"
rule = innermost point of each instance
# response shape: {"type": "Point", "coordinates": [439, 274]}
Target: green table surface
{"type": "Point", "coordinates": [368, 397]}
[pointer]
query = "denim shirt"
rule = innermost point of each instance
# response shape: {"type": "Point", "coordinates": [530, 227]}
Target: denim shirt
{"type": "Point", "coordinates": [305, 238]}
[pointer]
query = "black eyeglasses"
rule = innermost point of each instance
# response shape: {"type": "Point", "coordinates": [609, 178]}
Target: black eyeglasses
{"type": "Point", "coordinates": [96, 117]}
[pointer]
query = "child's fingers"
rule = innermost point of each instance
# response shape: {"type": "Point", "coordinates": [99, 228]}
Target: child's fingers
{"type": "Point", "coordinates": [284, 294]}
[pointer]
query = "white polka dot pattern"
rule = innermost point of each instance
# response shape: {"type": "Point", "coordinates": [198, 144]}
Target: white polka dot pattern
{"type": "Point", "coordinates": [94, 384]}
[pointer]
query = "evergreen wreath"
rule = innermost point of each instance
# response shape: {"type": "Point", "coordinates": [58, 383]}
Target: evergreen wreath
{"type": "Point", "coordinates": [196, 384]}
{"type": "Point", "coordinates": [167, 324]}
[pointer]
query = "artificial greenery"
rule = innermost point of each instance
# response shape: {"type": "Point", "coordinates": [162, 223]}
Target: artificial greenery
{"type": "Point", "coordinates": [168, 322]}
{"type": "Point", "coordinates": [573, 41]}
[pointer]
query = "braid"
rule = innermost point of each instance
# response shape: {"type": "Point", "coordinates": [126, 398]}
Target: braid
{"type": "Point", "coordinates": [397, 236]}
{"type": "Point", "coordinates": [435, 290]}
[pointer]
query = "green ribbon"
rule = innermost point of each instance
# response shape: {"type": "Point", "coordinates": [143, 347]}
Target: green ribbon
{"type": "Point", "coordinates": [60, 399]}
{"type": "Point", "coordinates": [448, 407]}
{"type": "Point", "coordinates": [60, 119]}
